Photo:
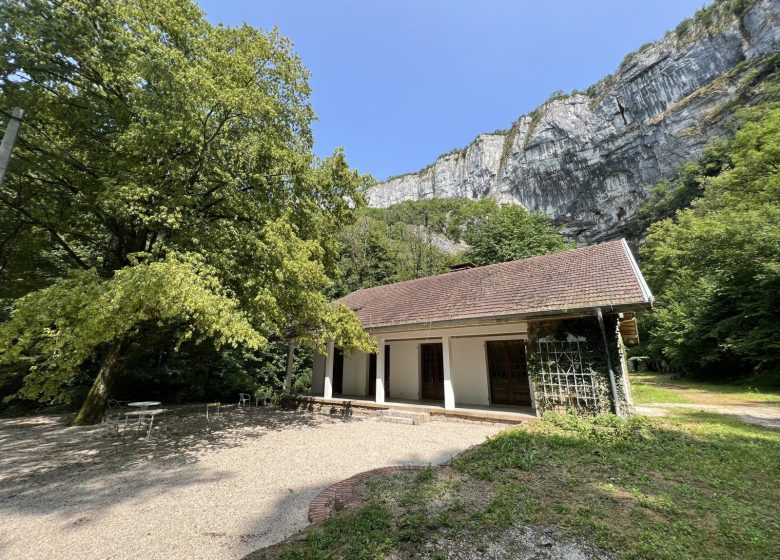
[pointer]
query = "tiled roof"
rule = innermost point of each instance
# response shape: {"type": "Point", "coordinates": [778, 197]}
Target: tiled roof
{"type": "Point", "coordinates": [601, 275]}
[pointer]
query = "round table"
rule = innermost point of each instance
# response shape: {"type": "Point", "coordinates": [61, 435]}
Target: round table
{"type": "Point", "coordinates": [143, 405]}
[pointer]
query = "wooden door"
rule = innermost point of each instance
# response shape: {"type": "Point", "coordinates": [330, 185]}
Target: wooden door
{"type": "Point", "coordinates": [432, 372]}
{"type": "Point", "coordinates": [338, 371]}
{"type": "Point", "coordinates": [372, 373]}
{"type": "Point", "coordinates": [508, 372]}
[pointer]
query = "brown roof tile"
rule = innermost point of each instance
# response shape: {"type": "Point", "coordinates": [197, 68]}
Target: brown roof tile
{"type": "Point", "coordinates": [601, 275]}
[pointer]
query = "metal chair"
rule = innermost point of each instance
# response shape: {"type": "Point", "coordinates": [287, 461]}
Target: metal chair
{"type": "Point", "coordinates": [244, 399]}
{"type": "Point", "coordinates": [261, 396]}
{"type": "Point", "coordinates": [112, 418]}
{"type": "Point", "coordinates": [145, 420]}
{"type": "Point", "coordinates": [111, 422]}
{"type": "Point", "coordinates": [209, 407]}
{"type": "Point", "coordinates": [113, 404]}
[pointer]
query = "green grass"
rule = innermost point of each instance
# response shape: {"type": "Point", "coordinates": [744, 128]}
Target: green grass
{"type": "Point", "coordinates": [650, 388]}
{"type": "Point", "coordinates": [689, 485]}
{"type": "Point", "coordinates": [364, 534]}
{"type": "Point", "coordinates": [646, 393]}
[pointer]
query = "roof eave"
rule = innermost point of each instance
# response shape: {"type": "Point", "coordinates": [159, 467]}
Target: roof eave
{"type": "Point", "coordinates": [513, 317]}
{"type": "Point", "coordinates": [646, 293]}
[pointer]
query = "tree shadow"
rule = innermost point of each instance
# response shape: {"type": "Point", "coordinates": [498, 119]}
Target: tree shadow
{"type": "Point", "coordinates": [46, 465]}
{"type": "Point", "coordinates": [72, 482]}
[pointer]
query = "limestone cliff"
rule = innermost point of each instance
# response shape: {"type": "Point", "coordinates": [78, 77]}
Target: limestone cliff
{"type": "Point", "coordinates": [588, 158]}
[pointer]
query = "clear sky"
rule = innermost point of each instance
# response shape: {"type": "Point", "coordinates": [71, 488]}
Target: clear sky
{"type": "Point", "coordinates": [398, 82]}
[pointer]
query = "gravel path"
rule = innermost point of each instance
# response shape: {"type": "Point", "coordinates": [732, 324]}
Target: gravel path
{"type": "Point", "coordinates": [76, 493]}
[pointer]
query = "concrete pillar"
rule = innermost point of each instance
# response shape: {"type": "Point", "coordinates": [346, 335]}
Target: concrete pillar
{"type": "Point", "coordinates": [288, 375]}
{"type": "Point", "coordinates": [380, 370]}
{"type": "Point", "coordinates": [449, 392]}
{"type": "Point", "coordinates": [327, 391]}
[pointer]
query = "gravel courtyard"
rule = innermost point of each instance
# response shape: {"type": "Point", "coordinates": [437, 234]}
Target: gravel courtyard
{"type": "Point", "coordinates": [77, 493]}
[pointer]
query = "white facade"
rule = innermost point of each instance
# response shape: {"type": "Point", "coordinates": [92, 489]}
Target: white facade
{"type": "Point", "coordinates": [466, 380]}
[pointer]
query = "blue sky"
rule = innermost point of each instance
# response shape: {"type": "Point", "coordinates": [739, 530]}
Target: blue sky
{"type": "Point", "coordinates": [397, 83]}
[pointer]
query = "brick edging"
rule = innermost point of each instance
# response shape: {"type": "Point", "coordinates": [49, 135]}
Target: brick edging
{"type": "Point", "coordinates": [342, 492]}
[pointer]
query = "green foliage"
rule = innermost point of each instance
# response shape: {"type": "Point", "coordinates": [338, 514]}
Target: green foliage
{"type": "Point", "coordinates": [375, 253]}
{"type": "Point", "coordinates": [199, 372]}
{"type": "Point", "coordinates": [445, 216]}
{"type": "Point", "coordinates": [512, 233]}
{"type": "Point", "coordinates": [163, 185]}
{"type": "Point", "coordinates": [60, 326]}
{"type": "Point", "coordinates": [669, 196]}
{"type": "Point", "coordinates": [711, 19]}
{"type": "Point", "coordinates": [715, 267]}
{"type": "Point", "coordinates": [404, 241]}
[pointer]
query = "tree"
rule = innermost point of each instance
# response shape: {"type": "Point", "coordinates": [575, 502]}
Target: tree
{"type": "Point", "coordinates": [510, 233]}
{"type": "Point", "coordinates": [375, 252]}
{"type": "Point", "coordinates": [715, 267]}
{"type": "Point", "coordinates": [165, 181]}
{"type": "Point", "coordinates": [669, 196]}
{"type": "Point", "coordinates": [366, 257]}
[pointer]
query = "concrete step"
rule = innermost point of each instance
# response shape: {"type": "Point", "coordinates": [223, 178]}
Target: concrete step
{"type": "Point", "coordinates": [398, 420]}
{"type": "Point", "coordinates": [404, 417]}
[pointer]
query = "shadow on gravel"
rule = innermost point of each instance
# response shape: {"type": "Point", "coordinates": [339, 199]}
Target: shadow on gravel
{"type": "Point", "coordinates": [46, 465]}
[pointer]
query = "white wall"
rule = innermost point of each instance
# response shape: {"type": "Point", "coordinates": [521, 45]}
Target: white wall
{"type": "Point", "coordinates": [318, 375]}
{"type": "Point", "coordinates": [404, 369]}
{"type": "Point", "coordinates": [469, 371]}
{"type": "Point", "coordinates": [355, 374]}
{"type": "Point", "coordinates": [468, 362]}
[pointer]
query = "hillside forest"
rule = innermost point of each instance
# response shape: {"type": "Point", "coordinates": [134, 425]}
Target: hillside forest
{"type": "Point", "coordinates": [167, 231]}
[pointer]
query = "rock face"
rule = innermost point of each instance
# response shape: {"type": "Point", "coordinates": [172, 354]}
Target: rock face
{"type": "Point", "coordinates": [588, 159]}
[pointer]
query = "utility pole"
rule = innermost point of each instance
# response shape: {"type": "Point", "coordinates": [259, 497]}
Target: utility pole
{"type": "Point", "coordinates": [9, 139]}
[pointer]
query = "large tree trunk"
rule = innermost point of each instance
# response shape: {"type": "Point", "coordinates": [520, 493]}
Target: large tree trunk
{"type": "Point", "coordinates": [93, 407]}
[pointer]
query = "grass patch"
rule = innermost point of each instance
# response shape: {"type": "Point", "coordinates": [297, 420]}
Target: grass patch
{"type": "Point", "coordinates": [688, 485]}
{"type": "Point", "coordinates": [647, 393]}
{"type": "Point", "coordinates": [661, 388]}
{"type": "Point", "coordinates": [362, 534]}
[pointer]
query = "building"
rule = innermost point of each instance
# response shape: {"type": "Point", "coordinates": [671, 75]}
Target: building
{"type": "Point", "coordinates": [539, 334]}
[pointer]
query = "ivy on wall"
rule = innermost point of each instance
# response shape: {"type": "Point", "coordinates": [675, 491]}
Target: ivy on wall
{"type": "Point", "coordinates": [576, 380]}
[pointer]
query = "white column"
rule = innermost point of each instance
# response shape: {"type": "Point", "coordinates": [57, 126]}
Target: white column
{"type": "Point", "coordinates": [328, 388]}
{"type": "Point", "coordinates": [380, 370]}
{"type": "Point", "coordinates": [449, 392]}
{"type": "Point", "coordinates": [288, 375]}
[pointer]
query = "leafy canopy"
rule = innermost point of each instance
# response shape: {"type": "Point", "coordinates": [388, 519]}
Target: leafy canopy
{"type": "Point", "coordinates": [715, 266]}
{"type": "Point", "coordinates": [419, 238]}
{"type": "Point", "coordinates": [163, 184]}
{"type": "Point", "coordinates": [511, 233]}
{"type": "Point", "coordinates": [375, 252]}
